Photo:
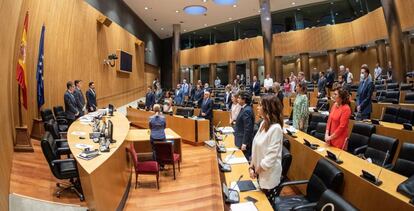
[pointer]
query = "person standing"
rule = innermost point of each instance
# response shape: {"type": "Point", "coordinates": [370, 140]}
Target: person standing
{"type": "Point", "coordinates": [322, 84]}
{"type": "Point", "coordinates": [389, 71]}
{"type": "Point", "coordinates": [185, 88]}
{"type": "Point", "coordinates": [287, 88]}
{"type": "Point", "coordinates": [235, 109]}
{"type": "Point", "coordinates": [266, 162]}
{"type": "Point", "coordinates": [244, 125]}
{"type": "Point", "coordinates": [91, 98]}
{"type": "Point", "coordinates": [198, 96]}
{"type": "Point", "coordinates": [341, 83]}
{"type": "Point", "coordinates": [364, 94]}
{"type": "Point", "coordinates": [168, 103]}
{"type": "Point", "coordinates": [217, 82]}
{"type": "Point", "coordinates": [349, 77]}
{"type": "Point", "coordinates": [179, 95]}
{"type": "Point", "coordinates": [228, 97]}
{"type": "Point", "coordinates": [338, 121]}
{"type": "Point", "coordinates": [149, 99]}
{"type": "Point", "coordinates": [158, 95]}
{"type": "Point", "coordinates": [301, 108]}
{"type": "Point", "coordinates": [268, 83]}
{"type": "Point", "coordinates": [206, 110]}
{"type": "Point", "coordinates": [330, 79]}
{"type": "Point", "coordinates": [71, 108]}
{"type": "Point", "coordinates": [377, 73]}
{"type": "Point", "coordinates": [80, 99]}
{"type": "Point", "coordinates": [255, 87]}
{"type": "Point", "coordinates": [278, 92]}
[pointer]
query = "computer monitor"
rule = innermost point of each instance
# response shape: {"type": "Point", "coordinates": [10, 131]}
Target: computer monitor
{"type": "Point", "coordinates": [111, 109]}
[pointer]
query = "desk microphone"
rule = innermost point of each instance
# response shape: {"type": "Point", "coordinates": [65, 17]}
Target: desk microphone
{"type": "Point", "coordinates": [343, 146]}
{"type": "Point", "coordinates": [370, 177]}
{"type": "Point", "coordinates": [383, 164]}
{"type": "Point", "coordinates": [320, 107]}
{"type": "Point", "coordinates": [241, 176]}
{"type": "Point", "coordinates": [231, 155]}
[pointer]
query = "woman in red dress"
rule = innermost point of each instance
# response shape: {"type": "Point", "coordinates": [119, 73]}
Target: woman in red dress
{"type": "Point", "coordinates": [337, 126]}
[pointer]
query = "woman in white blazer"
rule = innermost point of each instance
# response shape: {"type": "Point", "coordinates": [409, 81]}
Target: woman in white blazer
{"type": "Point", "coordinates": [266, 163]}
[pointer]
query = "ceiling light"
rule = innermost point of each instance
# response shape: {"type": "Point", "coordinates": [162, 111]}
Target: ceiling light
{"type": "Point", "coordinates": [230, 18]}
{"type": "Point", "coordinates": [162, 28]}
{"type": "Point", "coordinates": [234, 5]}
{"type": "Point", "coordinates": [146, 8]}
{"type": "Point", "coordinates": [195, 10]}
{"type": "Point", "coordinates": [205, 24]}
{"type": "Point", "coordinates": [225, 2]}
{"type": "Point", "coordinates": [185, 30]}
{"type": "Point", "coordinates": [204, 1]}
{"type": "Point", "coordinates": [177, 11]}
{"type": "Point", "coordinates": [293, 3]}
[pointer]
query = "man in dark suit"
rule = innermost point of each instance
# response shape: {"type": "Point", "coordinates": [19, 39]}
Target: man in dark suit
{"type": "Point", "coordinates": [71, 108]}
{"type": "Point", "coordinates": [91, 104]}
{"type": "Point", "coordinates": [255, 86]}
{"type": "Point", "coordinates": [206, 110]}
{"type": "Point", "coordinates": [243, 132]}
{"type": "Point", "coordinates": [342, 83]}
{"type": "Point", "coordinates": [330, 79]}
{"type": "Point", "coordinates": [198, 96]}
{"type": "Point", "coordinates": [179, 95]}
{"type": "Point", "coordinates": [227, 98]}
{"type": "Point", "coordinates": [80, 99]}
{"type": "Point", "coordinates": [364, 94]}
{"type": "Point", "coordinates": [149, 99]}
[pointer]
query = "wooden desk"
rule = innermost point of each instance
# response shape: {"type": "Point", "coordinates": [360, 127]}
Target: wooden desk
{"type": "Point", "coordinates": [391, 130]}
{"type": "Point", "coordinates": [356, 190]}
{"type": "Point", "coordinates": [243, 169]}
{"type": "Point", "coordinates": [191, 131]}
{"type": "Point", "coordinates": [141, 139]}
{"type": "Point", "coordinates": [105, 179]}
{"type": "Point", "coordinates": [377, 108]}
{"type": "Point", "coordinates": [218, 116]}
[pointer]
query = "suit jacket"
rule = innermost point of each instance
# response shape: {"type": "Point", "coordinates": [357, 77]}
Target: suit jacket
{"type": "Point", "coordinates": [71, 108]}
{"type": "Point", "coordinates": [80, 100]}
{"type": "Point", "coordinates": [207, 108]}
{"type": "Point", "coordinates": [364, 94]}
{"type": "Point", "coordinates": [198, 96]}
{"type": "Point", "coordinates": [330, 78]}
{"type": "Point", "coordinates": [179, 97]}
{"type": "Point", "coordinates": [185, 88]}
{"type": "Point", "coordinates": [227, 100]}
{"type": "Point", "coordinates": [255, 87]}
{"type": "Point", "coordinates": [149, 99]}
{"type": "Point", "coordinates": [91, 100]}
{"type": "Point", "coordinates": [243, 132]}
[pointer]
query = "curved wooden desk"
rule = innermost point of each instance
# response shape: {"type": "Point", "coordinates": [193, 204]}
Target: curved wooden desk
{"type": "Point", "coordinates": [105, 179]}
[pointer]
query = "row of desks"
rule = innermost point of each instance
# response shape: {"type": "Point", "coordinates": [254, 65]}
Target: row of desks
{"type": "Point", "coordinates": [356, 190]}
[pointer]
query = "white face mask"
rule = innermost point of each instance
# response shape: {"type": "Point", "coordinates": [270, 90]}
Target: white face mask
{"type": "Point", "coordinates": [362, 76]}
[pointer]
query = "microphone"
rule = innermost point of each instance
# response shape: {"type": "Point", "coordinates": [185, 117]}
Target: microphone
{"type": "Point", "coordinates": [227, 160]}
{"type": "Point", "coordinates": [241, 176]}
{"type": "Point", "coordinates": [320, 107]}
{"type": "Point", "coordinates": [382, 166]}
{"type": "Point", "coordinates": [343, 146]}
{"type": "Point", "coordinates": [379, 96]}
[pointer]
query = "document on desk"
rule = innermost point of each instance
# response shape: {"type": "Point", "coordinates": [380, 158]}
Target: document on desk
{"type": "Point", "coordinates": [226, 130]}
{"type": "Point", "coordinates": [78, 133]}
{"type": "Point", "coordinates": [235, 160]}
{"type": "Point", "coordinates": [169, 137]}
{"type": "Point", "coordinates": [231, 149]}
{"type": "Point", "coordinates": [245, 206]}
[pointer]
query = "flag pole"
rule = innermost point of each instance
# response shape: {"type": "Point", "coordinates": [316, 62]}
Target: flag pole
{"type": "Point", "coordinates": [20, 107]}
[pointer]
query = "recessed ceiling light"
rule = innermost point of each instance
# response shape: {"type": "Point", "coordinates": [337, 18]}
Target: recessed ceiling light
{"type": "Point", "coordinates": [234, 5]}
{"type": "Point", "coordinates": [162, 28]}
{"type": "Point", "coordinates": [204, 1]}
{"type": "Point", "coordinates": [185, 30]}
{"type": "Point", "coordinates": [145, 8]}
{"type": "Point", "coordinates": [205, 24]}
{"type": "Point", "coordinates": [177, 11]}
{"type": "Point", "coordinates": [293, 3]}
{"type": "Point", "coordinates": [225, 2]}
{"type": "Point", "coordinates": [195, 10]}
{"type": "Point", "coordinates": [230, 18]}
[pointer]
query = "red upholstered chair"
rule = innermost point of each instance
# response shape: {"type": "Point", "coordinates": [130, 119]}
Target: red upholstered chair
{"type": "Point", "coordinates": [164, 153]}
{"type": "Point", "coordinates": [147, 167]}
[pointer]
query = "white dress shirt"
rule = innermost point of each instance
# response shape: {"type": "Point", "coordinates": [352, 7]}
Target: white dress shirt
{"type": "Point", "coordinates": [350, 78]}
{"type": "Point", "coordinates": [267, 152]}
{"type": "Point", "coordinates": [378, 72]}
{"type": "Point", "coordinates": [235, 110]}
{"type": "Point", "coordinates": [268, 83]}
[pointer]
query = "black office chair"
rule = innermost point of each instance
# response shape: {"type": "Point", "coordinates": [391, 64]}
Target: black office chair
{"type": "Point", "coordinates": [187, 112]}
{"type": "Point", "coordinates": [354, 87]}
{"type": "Point", "coordinates": [62, 169]}
{"type": "Point", "coordinates": [322, 104]}
{"type": "Point", "coordinates": [393, 86]}
{"type": "Point", "coordinates": [409, 98]}
{"type": "Point", "coordinates": [406, 87]}
{"type": "Point", "coordinates": [61, 146]}
{"type": "Point", "coordinates": [59, 112]}
{"type": "Point", "coordinates": [314, 119]}
{"type": "Point", "coordinates": [319, 132]}
{"type": "Point", "coordinates": [47, 115]}
{"type": "Point", "coordinates": [325, 176]}
{"type": "Point", "coordinates": [332, 201]}
{"type": "Point", "coordinates": [392, 97]}
{"type": "Point", "coordinates": [390, 114]}
{"type": "Point", "coordinates": [380, 96]}
{"type": "Point", "coordinates": [378, 147]}
{"type": "Point", "coordinates": [359, 137]}
{"type": "Point", "coordinates": [404, 164]}
{"type": "Point", "coordinates": [405, 116]}
{"type": "Point", "coordinates": [286, 161]}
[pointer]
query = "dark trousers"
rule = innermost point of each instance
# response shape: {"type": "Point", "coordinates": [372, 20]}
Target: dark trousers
{"type": "Point", "coordinates": [154, 157]}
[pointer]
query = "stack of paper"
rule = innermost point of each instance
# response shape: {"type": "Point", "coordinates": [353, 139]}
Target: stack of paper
{"type": "Point", "coordinates": [226, 130]}
{"type": "Point", "coordinates": [245, 206]}
{"type": "Point", "coordinates": [235, 160]}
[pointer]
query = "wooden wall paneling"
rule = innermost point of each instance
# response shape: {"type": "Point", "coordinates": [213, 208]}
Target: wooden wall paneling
{"type": "Point", "coordinates": [9, 20]}
{"type": "Point", "coordinates": [151, 73]}
{"type": "Point", "coordinates": [404, 10]}
{"type": "Point", "coordinates": [356, 59]}
{"type": "Point", "coordinates": [75, 47]}
{"type": "Point", "coordinates": [369, 28]}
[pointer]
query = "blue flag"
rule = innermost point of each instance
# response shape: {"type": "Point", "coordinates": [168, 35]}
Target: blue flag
{"type": "Point", "coordinates": [39, 72]}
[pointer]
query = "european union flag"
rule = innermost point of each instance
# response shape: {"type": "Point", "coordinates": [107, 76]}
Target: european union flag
{"type": "Point", "coordinates": [39, 72]}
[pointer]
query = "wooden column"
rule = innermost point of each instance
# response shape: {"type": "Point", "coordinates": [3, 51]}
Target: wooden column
{"type": "Point", "coordinates": [395, 36]}
{"type": "Point", "coordinates": [176, 55]}
{"type": "Point", "coordinates": [212, 74]}
{"type": "Point", "coordinates": [232, 71]}
{"type": "Point", "coordinates": [407, 51]}
{"type": "Point", "coordinates": [196, 74]}
{"type": "Point", "coordinates": [381, 53]}
{"type": "Point", "coordinates": [304, 65]}
{"type": "Point", "coordinates": [279, 69]}
{"type": "Point", "coordinates": [332, 61]}
{"type": "Point", "coordinates": [266, 23]}
{"type": "Point", "coordinates": [254, 69]}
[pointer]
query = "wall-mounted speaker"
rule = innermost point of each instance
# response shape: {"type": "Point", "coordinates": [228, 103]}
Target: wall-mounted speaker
{"type": "Point", "coordinates": [104, 20]}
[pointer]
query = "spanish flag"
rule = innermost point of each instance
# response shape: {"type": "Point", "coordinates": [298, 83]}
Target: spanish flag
{"type": "Point", "coordinates": [21, 64]}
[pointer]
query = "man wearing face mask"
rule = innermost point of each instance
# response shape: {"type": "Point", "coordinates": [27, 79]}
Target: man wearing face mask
{"type": "Point", "coordinates": [364, 94]}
